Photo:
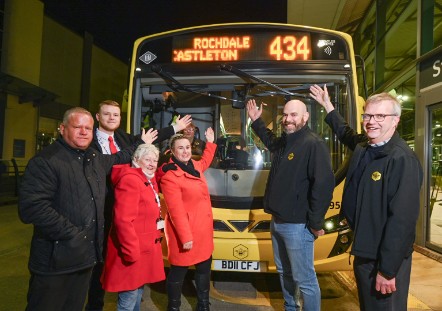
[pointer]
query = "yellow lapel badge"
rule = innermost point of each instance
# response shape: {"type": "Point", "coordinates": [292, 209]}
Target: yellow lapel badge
{"type": "Point", "coordinates": [376, 176]}
{"type": "Point", "coordinates": [290, 156]}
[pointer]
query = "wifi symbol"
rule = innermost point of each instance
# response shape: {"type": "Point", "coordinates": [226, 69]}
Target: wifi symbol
{"type": "Point", "coordinates": [328, 50]}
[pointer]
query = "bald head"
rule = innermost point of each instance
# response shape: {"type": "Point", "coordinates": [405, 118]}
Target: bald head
{"type": "Point", "coordinates": [296, 105]}
{"type": "Point", "coordinates": [294, 116]}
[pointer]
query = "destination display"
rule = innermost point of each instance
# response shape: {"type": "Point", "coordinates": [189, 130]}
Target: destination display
{"type": "Point", "coordinates": [278, 47]}
{"type": "Point", "coordinates": [235, 45]}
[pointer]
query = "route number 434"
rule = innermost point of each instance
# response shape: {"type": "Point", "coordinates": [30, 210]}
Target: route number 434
{"type": "Point", "coordinates": [335, 205]}
{"type": "Point", "coordinates": [290, 48]}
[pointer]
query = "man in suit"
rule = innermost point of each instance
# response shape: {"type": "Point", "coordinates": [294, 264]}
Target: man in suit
{"type": "Point", "coordinates": [108, 139]}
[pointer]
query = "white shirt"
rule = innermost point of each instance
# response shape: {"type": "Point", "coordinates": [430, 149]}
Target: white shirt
{"type": "Point", "coordinates": [103, 140]}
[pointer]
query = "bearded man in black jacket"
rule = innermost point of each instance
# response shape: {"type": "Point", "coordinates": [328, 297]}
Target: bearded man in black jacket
{"type": "Point", "coordinates": [62, 194]}
{"type": "Point", "coordinates": [298, 193]}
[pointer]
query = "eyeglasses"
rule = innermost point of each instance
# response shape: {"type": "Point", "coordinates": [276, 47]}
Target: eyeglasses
{"type": "Point", "coordinates": [376, 117]}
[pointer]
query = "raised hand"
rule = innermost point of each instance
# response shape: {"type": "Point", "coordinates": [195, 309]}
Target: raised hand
{"type": "Point", "coordinates": [149, 136]}
{"type": "Point", "coordinates": [181, 124]}
{"type": "Point", "coordinates": [210, 135]}
{"type": "Point", "coordinates": [322, 97]}
{"type": "Point", "coordinates": [253, 110]}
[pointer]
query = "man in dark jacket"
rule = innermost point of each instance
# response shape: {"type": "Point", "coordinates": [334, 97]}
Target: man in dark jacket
{"type": "Point", "coordinates": [107, 133]}
{"type": "Point", "coordinates": [380, 200]}
{"type": "Point", "coordinates": [62, 195]}
{"type": "Point", "coordinates": [298, 193]}
{"type": "Point", "coordinates": [109, 118]}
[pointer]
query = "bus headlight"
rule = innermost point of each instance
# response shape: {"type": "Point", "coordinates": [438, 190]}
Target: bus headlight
{"type": "Point", "coordinates": [342, 244]}
{"type": "Point", "coordinates": [345, 235]}
{"type": "Point", "coordinates": [333, 224]}
{"type": "Point", "coordinates": [344, 239]}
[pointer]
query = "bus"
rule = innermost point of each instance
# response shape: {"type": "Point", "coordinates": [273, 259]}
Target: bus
{"type": "Point", "coordinates": [210, 72]}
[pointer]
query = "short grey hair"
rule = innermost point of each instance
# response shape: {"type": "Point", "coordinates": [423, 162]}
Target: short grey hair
{"type": "Point", "coordinates": [144, 149]}
{"type": "Point", "coordinates": [67, 115]}
{"type": "Point", "coordinates": [377, 98]}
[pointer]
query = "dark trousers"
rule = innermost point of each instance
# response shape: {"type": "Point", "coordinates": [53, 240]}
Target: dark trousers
{"type": "Point", "coordinates": [65, 292]}
{"type": "Point", "coordinates": [95, 296]}
{"type": "Point", "coordinates": [95, 301]}
{"type": "Point", "coordinates": [369, 299]}
{"type": "Point", "coordinates": [178, 273]}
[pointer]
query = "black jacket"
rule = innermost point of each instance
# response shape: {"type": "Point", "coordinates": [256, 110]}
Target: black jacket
{"type": "Point", "coordinates": [62, 195]}
{"type": "Point", "coordinates": [125, 140]}
{"type": "Point", "coordinates": [301, 181]}
{"type": "Point", "coordinates": [387, 200]}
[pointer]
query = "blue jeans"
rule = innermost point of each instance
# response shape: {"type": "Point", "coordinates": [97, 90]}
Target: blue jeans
{"type": "Point", "coordinates": [293, 253]}
{"type": "Point", "coordinates": [130, 300]}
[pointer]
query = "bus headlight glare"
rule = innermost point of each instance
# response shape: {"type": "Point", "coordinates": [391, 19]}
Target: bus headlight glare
{"type": "Point", "coordinates": [335, 224]}
{"type": "Point", "coordinates": [328, 225]}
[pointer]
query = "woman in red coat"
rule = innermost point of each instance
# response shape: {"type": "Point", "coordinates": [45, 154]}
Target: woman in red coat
{"type": "Point", "coordinates": [134, 255]}
{"type": "Point", "coordinates": [189, 219]}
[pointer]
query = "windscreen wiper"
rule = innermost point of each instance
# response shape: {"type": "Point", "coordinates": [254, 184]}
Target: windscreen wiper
{"type": "Point", "coordinates": [303, 87]}
{"type": "Point", "coordinates": [177, 86]}
{"type": "Point", "coordinates": [242, 74]}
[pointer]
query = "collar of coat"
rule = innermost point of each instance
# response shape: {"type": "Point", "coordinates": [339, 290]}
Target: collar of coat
{"type": "Point", "coordinates": [189, 168]}
{"type": "Point", "coordinates": [387, 148]}
{"type": "Point", "coordinates": [293, 136]}
{"type": "Point", "coordinates": [88, 153]}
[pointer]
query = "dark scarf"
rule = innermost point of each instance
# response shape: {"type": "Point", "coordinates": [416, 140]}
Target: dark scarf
{"type": "Point", "coordinates": [189, 168]}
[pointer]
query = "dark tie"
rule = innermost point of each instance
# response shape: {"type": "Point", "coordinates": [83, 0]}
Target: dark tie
{"type": "Point", "coordinates": [112, 147]}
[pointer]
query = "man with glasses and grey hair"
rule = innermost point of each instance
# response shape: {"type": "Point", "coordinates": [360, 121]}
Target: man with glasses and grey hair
{"type": "Point", "coordinates": [380, 200]}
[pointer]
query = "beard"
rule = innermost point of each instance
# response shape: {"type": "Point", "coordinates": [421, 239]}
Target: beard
{"type": "Point", "coordinates": [292, 130]}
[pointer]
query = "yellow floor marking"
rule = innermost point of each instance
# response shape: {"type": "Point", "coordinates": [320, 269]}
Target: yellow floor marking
{"type": "Point", "coordinates": [414, 303]}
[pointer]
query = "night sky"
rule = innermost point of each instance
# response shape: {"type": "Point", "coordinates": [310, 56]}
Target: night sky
{"type": "Point", "coordinates": [116, 24]}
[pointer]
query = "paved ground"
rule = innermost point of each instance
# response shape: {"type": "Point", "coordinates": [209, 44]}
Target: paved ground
{"type": "Point", "coordinates": [230, 291]}
{"type": "Point", "coordinates": [245, 292]}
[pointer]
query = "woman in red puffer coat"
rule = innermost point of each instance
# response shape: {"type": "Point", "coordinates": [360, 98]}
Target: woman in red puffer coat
{"type": "Point", "coordinates": [134, 255]}
{"type": "Point", "coordinates": [189, 219]}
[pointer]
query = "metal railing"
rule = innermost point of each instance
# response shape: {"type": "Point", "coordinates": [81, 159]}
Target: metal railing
{"type": "Point", "coordinates": [11, 172]}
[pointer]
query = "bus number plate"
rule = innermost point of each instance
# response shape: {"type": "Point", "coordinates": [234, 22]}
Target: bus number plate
{"type": "Point", "coordinates": [237, 265]}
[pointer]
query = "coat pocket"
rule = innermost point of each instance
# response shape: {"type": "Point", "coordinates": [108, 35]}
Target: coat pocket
{"type": "Point", "coordinates": [148, 240]}
{"type": "Point", "coordinates": [72, 253]}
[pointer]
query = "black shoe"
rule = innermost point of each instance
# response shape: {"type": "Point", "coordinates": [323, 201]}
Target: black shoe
{"type": "Point", "coordinates": [202, 282]}
{"type": "Point", "coordinates": [173, 295]}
